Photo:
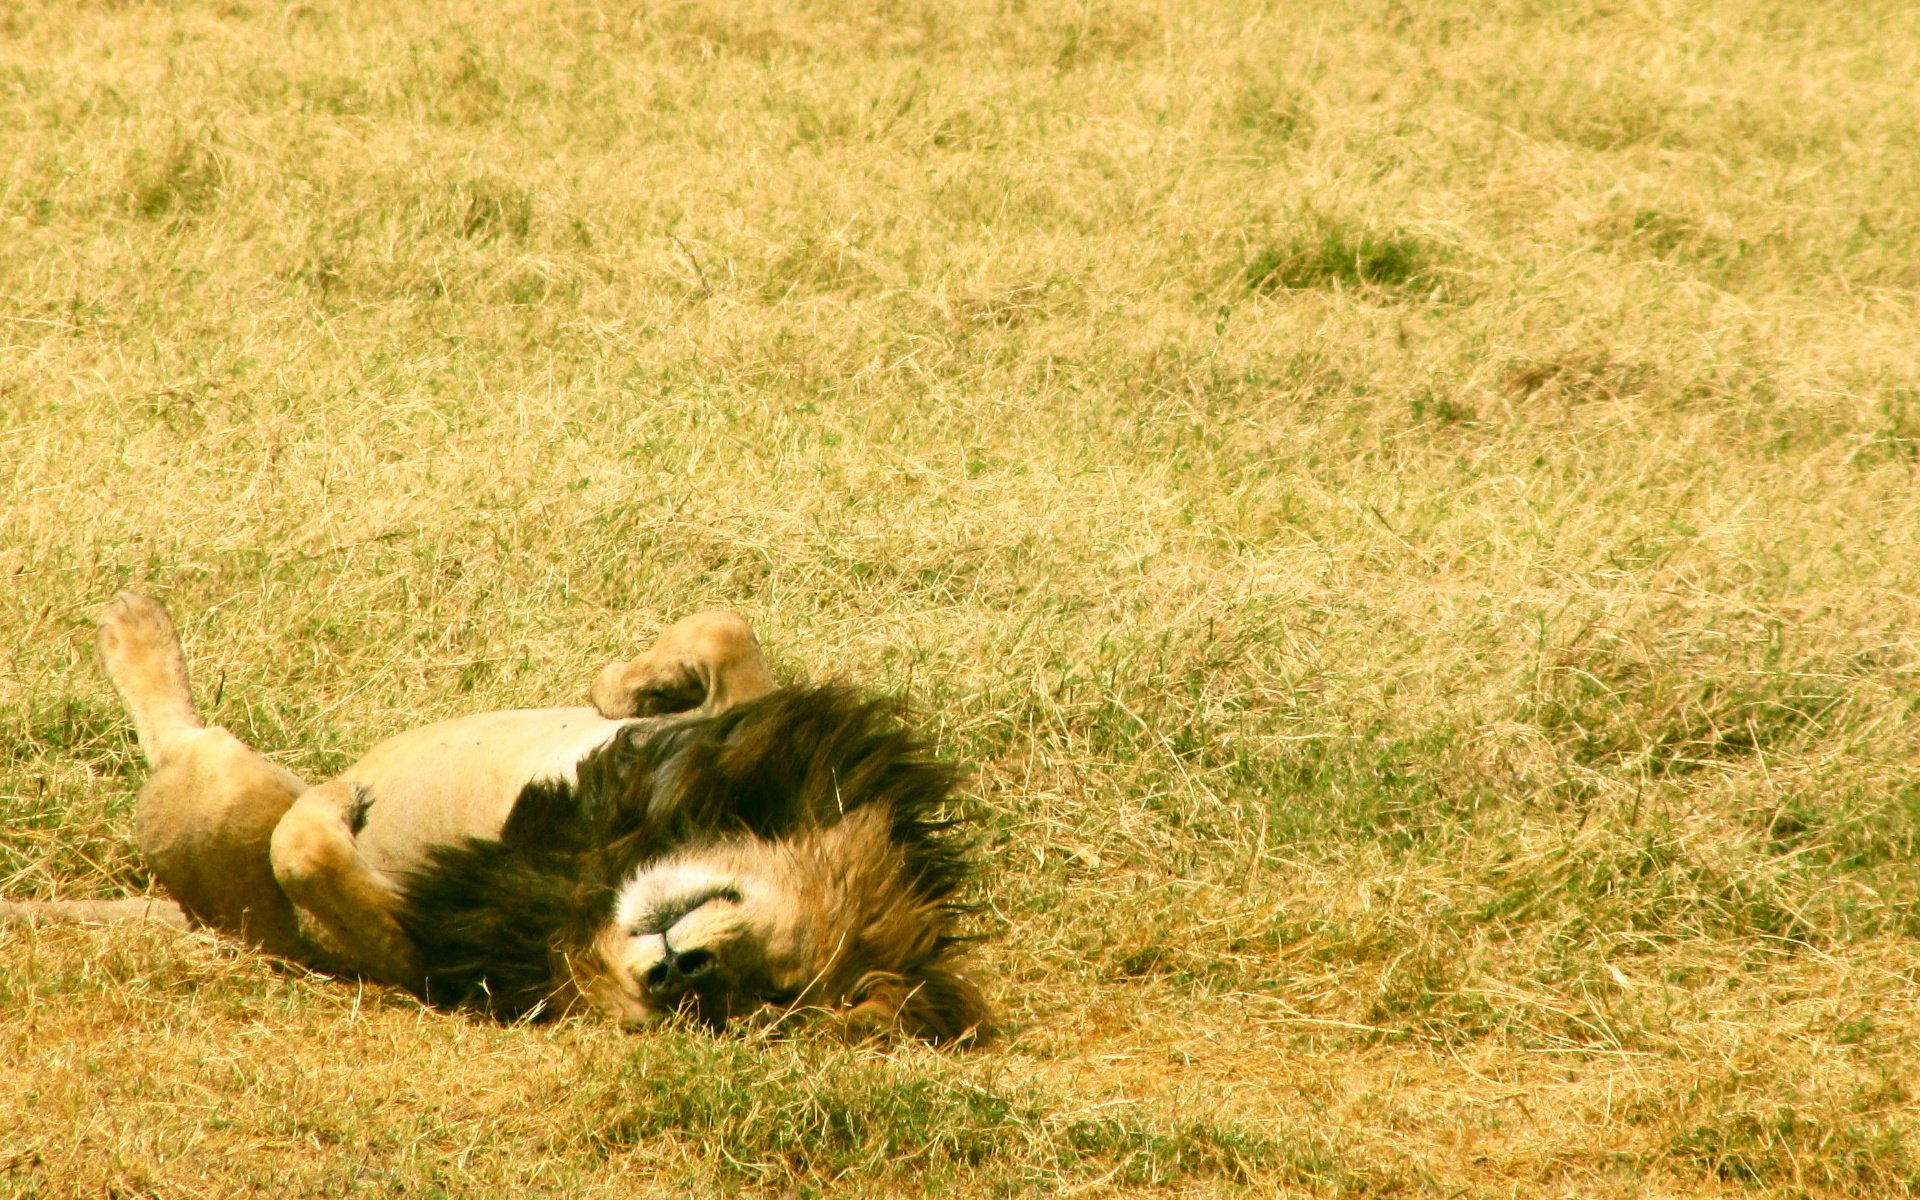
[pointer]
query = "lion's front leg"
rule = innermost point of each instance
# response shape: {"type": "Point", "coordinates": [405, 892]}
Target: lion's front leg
{"type": "Point", "coordinates": [346, 908]}
{"type": "Point", "coordinates": [710, 661]}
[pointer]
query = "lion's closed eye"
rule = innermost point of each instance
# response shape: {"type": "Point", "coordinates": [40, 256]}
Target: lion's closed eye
{"type": "Point", "coordinates": [659, 897]}
{"type": "Point", "coordinates": [663, 916]}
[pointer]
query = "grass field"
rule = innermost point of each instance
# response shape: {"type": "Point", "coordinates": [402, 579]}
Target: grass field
{"type": "Point", "coordinates": [1410, 510]}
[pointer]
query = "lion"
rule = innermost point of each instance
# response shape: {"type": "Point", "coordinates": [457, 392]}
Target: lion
{"type": "Point", "coordinates": [698, 842]}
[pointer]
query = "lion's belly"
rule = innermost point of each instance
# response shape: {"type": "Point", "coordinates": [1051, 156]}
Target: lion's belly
{"type": "Point", "coordinates": [459, 779]}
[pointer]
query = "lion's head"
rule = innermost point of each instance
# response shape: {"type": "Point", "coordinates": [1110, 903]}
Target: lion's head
{"type": "Point", "coordinates": [790, 855]}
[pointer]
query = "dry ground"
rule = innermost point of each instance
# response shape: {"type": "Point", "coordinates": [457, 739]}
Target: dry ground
{"type": "Point", "coordinates": [1410, 507]}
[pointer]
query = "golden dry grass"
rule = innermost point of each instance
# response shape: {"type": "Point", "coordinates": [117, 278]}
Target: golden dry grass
{"type": "Point", "coordinates": [1410, 507]}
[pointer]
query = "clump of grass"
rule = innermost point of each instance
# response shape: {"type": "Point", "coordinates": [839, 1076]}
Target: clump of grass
{"type": "Point", "coordinates": [1780, 1145]}
{"type": "Point", "coordinates": [1099, 30]}
{"type": "Point", "coordinates": [1190, 1150]}
{"type": "Point", "coordinates": [1441, 410]}
{"type": "Point", "coordinates": [773, 1115]}
{"type": "Point", "coordinates": [1423, 993]}
{"type": "Point", "coordinates": [187, 180]}
{"type": "Point", "coordinates": [1894, 435]}
{"type": "Point", "coordinates": [64, 837]}
{"type": "Point", "coordinates": [1673, 703]}
{"type": "Point", "coordinates": [1606, 119]}
{"type": "Point", "coordinates": [771, 1119]}
{"type": "Point", "coordinates": [470, 90]}
{"type": "Point", "coordinates": [1651, 881]}
{"type": "Point", "coordinates": [1274, 113]}
{"type": "Point", "coordinates": [1579, 375]}
{"type": "Point", "coordinates": [1319, 250]}
{"type": "Point", "coordinates": [490, 207]}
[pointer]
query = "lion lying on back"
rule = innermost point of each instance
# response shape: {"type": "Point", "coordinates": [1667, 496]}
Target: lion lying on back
{"type": "Point", "coordinates": [698, 842]}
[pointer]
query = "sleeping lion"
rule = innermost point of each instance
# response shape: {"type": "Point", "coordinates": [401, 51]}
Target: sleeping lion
{"type": "Point", "coordinates": [697, 842]}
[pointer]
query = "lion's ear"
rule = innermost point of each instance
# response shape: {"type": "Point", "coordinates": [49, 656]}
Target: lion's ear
{"type": "Point", "coordinates": [939, 1006]}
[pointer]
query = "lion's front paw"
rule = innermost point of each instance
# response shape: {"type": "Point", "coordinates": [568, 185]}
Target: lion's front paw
{"type": "Point", "coordinates": [643, 688]}
{"type": "Point", "coordinates": [710, 661]}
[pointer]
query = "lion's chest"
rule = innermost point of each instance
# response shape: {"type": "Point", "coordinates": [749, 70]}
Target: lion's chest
{"type": "Point", "coordinates": [459, 779]}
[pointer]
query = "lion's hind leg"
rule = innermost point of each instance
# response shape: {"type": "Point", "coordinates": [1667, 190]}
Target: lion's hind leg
{"type": "Point", "coordinates": [141, 652]}
{"type": "Point", "coordinates": [204, 818]}
{"type": "Point", "coordinates": [349, 909]}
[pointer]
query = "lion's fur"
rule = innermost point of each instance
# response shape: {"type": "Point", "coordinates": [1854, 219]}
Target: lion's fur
{"type": "Point", "coordinates": [819, 791]}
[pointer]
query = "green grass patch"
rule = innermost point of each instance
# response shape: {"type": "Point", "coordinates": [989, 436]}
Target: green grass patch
{"type": "Point", "coordinates": [1319, 250]}
{"type": "Point", "coordinates": [179, 184]}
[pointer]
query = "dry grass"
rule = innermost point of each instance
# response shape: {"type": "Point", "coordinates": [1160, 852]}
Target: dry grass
{"type": "Point", "coordinates": [1410, 507]}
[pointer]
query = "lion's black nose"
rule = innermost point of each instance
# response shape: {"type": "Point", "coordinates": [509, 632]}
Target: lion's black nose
{"type": "Point", "coordinates": [678, 973]}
